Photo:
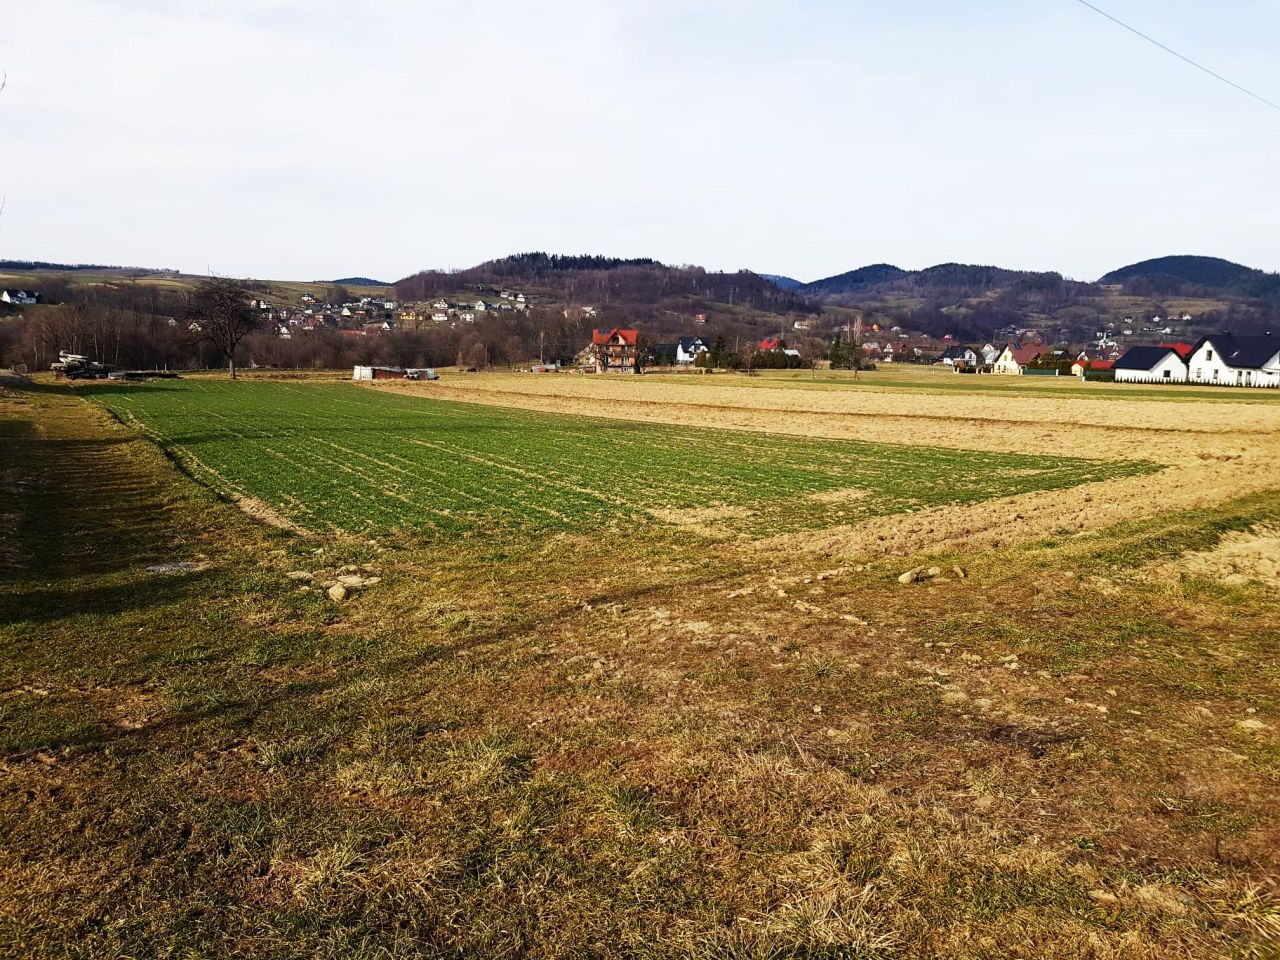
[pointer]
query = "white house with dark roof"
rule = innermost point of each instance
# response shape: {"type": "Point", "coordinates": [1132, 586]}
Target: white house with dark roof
{"type": "Point", "coordinates": [1226, 359]}
{"type": "Point", "coordinates": [1150, 365]}
{"type": "Point", "coordinates": [688, 348]}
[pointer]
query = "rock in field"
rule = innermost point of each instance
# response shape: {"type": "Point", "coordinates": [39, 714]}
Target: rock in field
{"type": "Point", "coordinates": [337, 593]}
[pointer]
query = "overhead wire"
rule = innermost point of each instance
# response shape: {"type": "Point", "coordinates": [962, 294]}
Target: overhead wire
{"type": "Point", "coordinates": [1182, 57]}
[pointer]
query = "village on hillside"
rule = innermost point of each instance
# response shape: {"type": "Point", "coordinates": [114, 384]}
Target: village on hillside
{"type": "Point", "coordinates": [1126, 351]}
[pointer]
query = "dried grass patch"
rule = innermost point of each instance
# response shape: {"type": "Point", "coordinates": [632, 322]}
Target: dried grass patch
{"type": "Point", "coordinates": [843, 495]}
{"type": "Point", "coordinates": [1239, 558]}
{"type": "Point", "coordinates": [699, 516]}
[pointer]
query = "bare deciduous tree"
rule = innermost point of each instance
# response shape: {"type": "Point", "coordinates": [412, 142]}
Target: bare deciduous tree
{"type": "Point", "coordinates": [220, 314]}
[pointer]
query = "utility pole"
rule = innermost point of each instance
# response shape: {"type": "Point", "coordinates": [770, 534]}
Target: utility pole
{"type": "Point", "coordinates": [848, 340]}
{"type": "Point", "coordinates": [857, 345]}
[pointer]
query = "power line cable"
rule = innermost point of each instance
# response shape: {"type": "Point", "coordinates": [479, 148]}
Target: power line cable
{"type": "Point", "coordinates": [1185, 59]}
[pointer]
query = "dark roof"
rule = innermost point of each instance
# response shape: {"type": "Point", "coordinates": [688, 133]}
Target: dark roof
{"type": "Point", "coordinates": [1249, 352]}
{"type": "Point", "coordinates": [690, 343]}
{"type": "Point", "coordinates": [956, 353]}
{"type": "Point", "coordinates": [662, 349]}
{"type": "Point", "coordinates": [1144, 358]}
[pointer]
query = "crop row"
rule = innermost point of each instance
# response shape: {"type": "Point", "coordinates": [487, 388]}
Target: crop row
{"type": "Point", "coordinates": [330, 456]}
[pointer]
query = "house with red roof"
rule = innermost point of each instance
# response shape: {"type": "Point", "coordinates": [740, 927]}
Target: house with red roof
{"type": "Point", "coordinates": [770, 343]}
{"type": "Point", "coordinates": [1015, 358]}
{"type": "Point", "coordinates": [612, 351]}
{"type": "Point", "coordinates": [1082, 364]}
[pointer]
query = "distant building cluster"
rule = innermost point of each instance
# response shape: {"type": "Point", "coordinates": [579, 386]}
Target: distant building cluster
{"type": "Point", "coordinates": [371, 316]}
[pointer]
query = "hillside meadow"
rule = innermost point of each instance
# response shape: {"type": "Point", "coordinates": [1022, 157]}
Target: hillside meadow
{"type": "Point", "coordinates": [571, 714]}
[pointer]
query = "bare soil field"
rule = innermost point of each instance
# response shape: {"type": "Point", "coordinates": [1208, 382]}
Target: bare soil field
{"type": "Point", "coordinates": [1212, 452]}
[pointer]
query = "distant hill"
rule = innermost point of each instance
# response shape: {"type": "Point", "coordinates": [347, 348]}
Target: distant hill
{"type": "Point", "coordinates": [360, 282]}
{"type": "Point", "coordinates": [79, 267]}
{"type": "Point", "coordinates": [1192, 275]}
{"type": "Point", "coordinates": [632, 288]}
{"type": "Point", "coordinates": [1206, 271]}
{"type": "Point", "coordinates": [854, 281]}
{"type": "Point", "coordinates": [959, 278]}
{"type": "Point", "coordinates": [786, 283]}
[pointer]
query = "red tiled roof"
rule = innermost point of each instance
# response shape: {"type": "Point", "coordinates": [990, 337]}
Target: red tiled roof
{"type": "Point", "coordinates": [1181, 349]}
{"type": "Point", "coordinates": [771, 343]}
{"type": "Point", "coordinates": [603, 336]}
{"type": "Point", "coordinates": [1024, 355]}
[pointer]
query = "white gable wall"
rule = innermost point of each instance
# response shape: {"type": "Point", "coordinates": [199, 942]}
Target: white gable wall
{"type": "Point", "coordinates": [1006, 364]}
{"type": "Point", "coordinates": [1207, 366]}
{"type": "Point", "coordinates": [1169, 370]}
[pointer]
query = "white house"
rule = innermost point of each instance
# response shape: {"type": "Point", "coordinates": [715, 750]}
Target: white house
{"type": "Point", "coordinates": [959, 357]}
{"type": "Point", "coordinates": [24, 297]}
{"type": "Point", "coordinates": [1013, 359]}
{"type": "Point", "coordinates": [481, 306]}
{"type": "Point", "coordinates": [441, 305]}
{"type": "Point", "coordinates": [439, 317]}
{"type": "Point", "coordinates": [688, 348]}
{"type": "Point", "coordinates": [1238, 361]}
{"type": "Point", "coordinates": [1150, 365]}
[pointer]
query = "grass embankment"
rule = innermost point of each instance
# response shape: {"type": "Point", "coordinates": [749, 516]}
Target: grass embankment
{"type": "Point", "coordinates": [632, 745]}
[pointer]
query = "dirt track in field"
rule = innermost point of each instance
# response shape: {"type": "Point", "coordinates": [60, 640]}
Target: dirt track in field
{"type": "Point", "coordinates": [1212, 451]}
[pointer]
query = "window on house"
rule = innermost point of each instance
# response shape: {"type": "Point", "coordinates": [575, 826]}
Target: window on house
{"type": "Point", "coordinates": [1215, 374]}
{"type": "Point", "coordinates": [1208, 354]}
{"type": "Point", "coordinates": [1168, 374]}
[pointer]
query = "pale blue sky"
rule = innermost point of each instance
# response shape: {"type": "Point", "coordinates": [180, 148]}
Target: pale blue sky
{"type": "Point", "coordinates": [290, 139]}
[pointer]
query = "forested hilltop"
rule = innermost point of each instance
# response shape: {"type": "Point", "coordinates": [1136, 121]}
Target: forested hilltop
{"type": "Point", "coordinates": [1187, 294]}
{"type": "Point", "coordinates": [634, 290]}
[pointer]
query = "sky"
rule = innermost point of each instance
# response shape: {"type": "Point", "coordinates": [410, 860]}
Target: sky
{"type": "Point", "coordinates": [313, 139]}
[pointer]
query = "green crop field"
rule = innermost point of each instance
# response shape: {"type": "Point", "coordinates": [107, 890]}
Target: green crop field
{"type": "Point", "coordinates": [337, 458]}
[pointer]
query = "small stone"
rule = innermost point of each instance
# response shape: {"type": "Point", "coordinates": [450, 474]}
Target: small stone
{"type": "Point", "coordinates": [933, 572]}
{"type": "Point", "coordinates": [298, 575]}
{"type": "Point", "coordinates": [1101, 896]}
{"type": "Point", "coordinates": [911, 576]}
{"type": "Point", "coordinates": [1252, 725]}
{"type": "Point", "coordinates": [960, 572]}
{"type": "Point", "coordinates": [337, 593]}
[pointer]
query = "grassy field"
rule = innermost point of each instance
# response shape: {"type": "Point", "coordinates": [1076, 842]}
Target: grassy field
{"type": "Point", "coordinates": [573, 745]}
{"type": "Point", "coordinates": [333, 457]}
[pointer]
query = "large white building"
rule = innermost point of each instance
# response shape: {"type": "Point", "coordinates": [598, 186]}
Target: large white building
{"type": "Point", "coordinates": [1236, 361]}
